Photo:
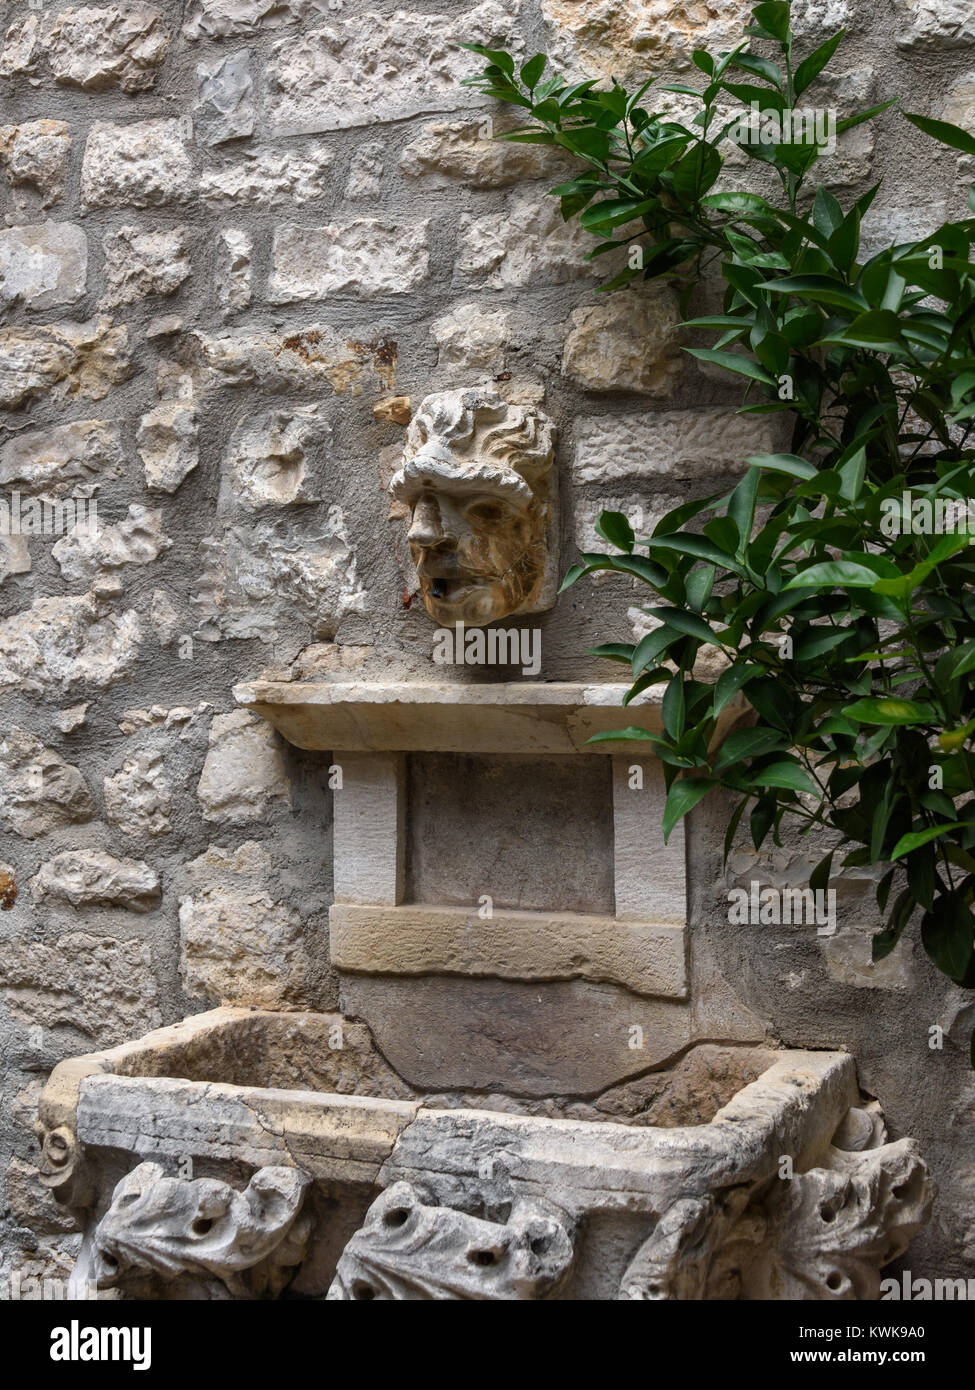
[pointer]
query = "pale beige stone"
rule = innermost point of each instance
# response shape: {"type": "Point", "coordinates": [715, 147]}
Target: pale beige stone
{"type": "Point", "coordinates": [60, 645]}
{"type": "Point", "coordinates": [446, 153]}
{"type": "Point", "coordinates": [14, 556]}
{"type": "Point", "coordinates": [244, 772]}
{"type": "Point", "coordinates": [31, 1205]}
{"type": "Point", "coordinates": [233, 269]}
{"type": "Point", "coordinates": [141, 164]}
{"type": "Point", "coordinates": [646, 957]}
{"type": "Point", "coordinates": [394, 410]}
{"type": "Point", "coordinates": [650, 876]}
{"type": "Point", "coordinates": [63, 458]}
{"type": "Point", "coordinates": [628, 342]}
{"type": "Point", "coordinates": [35, 156]}
{"type": "Point", "coordinates": [224, 108]}
{"type": "Point", "coordinates": [471, 339]}
{"type": "Point", "coordinates": [217, 19]}
{"type": "Point", "coordinates": [138, 798]}
{"type": "Point", "coordinates": [366, 170]}
{"type": "Point", "coordinates": [933, 26]}
{"type": "Point", "coordinates": [268, 178]}
{"type": "Point", "coordinates": [365, 67]}
{"type": "Point", "coordinates": [68, 720]}
{"type": "Point", "coordinates": [369, 830]}
{"type": "Point", "coordinates": [92, 878]}
{"type": "Point", "coordinates": [369, 256]}
{"type": "Point", "coordinates": [102, 986]}
{"type": "Point", "coordinates": [528, 244]}
{"type": "Point", "coordinates": [139, 263]}
{"type": "Point", "coordinates": [600, 38]}
{"type": "Point", "coordinates": [39, 791]}
{"type": "Point", "coordinates": [168, 444]}
{"type": "Point", "coordinates": [671, 443]}
{"type": "Point", "coordinates": [86, 552]}
{"type": "Point", "coordinates": [107, 46]}
{"type": "Point", "coordinates": [272, 458]}
{"type": "Point", "coordinates": [314, 356]}
{"type": "Point", "coordinates": [80, 359]}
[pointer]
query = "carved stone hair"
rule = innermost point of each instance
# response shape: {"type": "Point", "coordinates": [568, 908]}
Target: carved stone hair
{"type": "Point", "coordinates": [474, 439]}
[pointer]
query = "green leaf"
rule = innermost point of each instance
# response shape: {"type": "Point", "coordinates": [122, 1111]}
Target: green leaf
{"type": "Point", "coordinates": [832, 574]}
{"type": "Point", "coordinates": [917, 838]}
{"type": "Point", "coordinates": [810, 67]}
{"type": "Point", "coordinates": [683, 796]}
{"type": "Point", "coordinates": [732, 362]}
{"type": "Point", "coordinates": [533, 70]}
{"type": "Point", "coordinates": [730, 682]}
{"type": "Point", "coordinates": [774, 17]}
{"type": "Point", "coordinates": [615, 528]}
{"type": "Point", "coordinates": [783, 463]}
{"type": "Point", "coordinates": [946, 933]}
{"type": "Point", "coordinates": [624, 735]}
{"type": "Point", "coordinates": [786, 775]}
{"type": "Point", "coordinates": [749, 203]}
{"type": "Point", "coordinates": [821, 289]}
{"type": "Point", "coordinates": [747, 743]}
{"type": "Point", "coordinates": [688, 623]}
{"type": "Point", "coordinates": [945, 132]}
{"type": "Point", "coordinates": [850, 122]}
{"type": "Point", "coordinates": [889, 709]}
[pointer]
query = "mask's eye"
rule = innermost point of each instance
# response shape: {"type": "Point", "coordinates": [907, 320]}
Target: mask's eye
{"type": "Point", "coordinates": [488, 514]}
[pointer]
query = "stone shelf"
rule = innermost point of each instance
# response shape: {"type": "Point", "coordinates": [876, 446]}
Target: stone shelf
{"type": "Point", "coordinates": [450, 717]}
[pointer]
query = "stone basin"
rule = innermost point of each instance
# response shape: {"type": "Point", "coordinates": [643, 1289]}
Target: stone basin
{"type": "Point", "coordinates": [245, 1154]}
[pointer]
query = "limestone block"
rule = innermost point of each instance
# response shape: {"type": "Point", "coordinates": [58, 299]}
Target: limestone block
{"type": "Point", "coordinates": [471, 339]}
{"type": "Point", "coordinates": [366, 67]}
{"type": "Point", "coordinates": [268, 178]}
{"type": "Point", "coordinates": [218, 19]}
{"type": "Point", "coordinates": [81, 359]}
{"type": "Point", "coordinates": [545, 1038]}
{"type": "Point", "coordinates": [92, 878]}
{"type": "Point", "coordinates": [238, 944]}
{"type": "Point", "coordinates": [22, 46]}
{"type": "Point", "coordinates": [142, 164]}
{"type": "Point", "coordinates": [629, 342]}
{"type": "Point", "coordinates": [315, 356]}
{"type": "Point", "coordinates": [933, 26]}
{"type": "Point", "coordinates": [528, 244]}
{"type": "Point", "coordinates": [60, 645]}
{"type": "Point", "coordinates": [31, 1205]}
{"type": "Point", "coordinates": [138, 798]}
{"type": "Point", "coordinates": [14, 556]}
{"type": "Point", "coordinates": [650, 877]}
{"type": "Point", "coordinates": [87, 552]}
{"type": "Point", "coordinates": [224, 108]}
{"type": "Point", "coordinates": [670, 443]}
{"type": "Point", "coordinates": [244, 772]}
{"type": "Point", "coordinates": [35, 156]}
{"type": "Point", "coordinates": [63, 458]}
{"type": "Point", "coordinates": [38, 789]}
{"type": "Point", "coordinates": [233, 268]}
{"type": "Point", "coordinates": [260, 578]}
{"type": "Point", "coordinates": [369, 828]}
{"type": "Point", "coordinates": [600, 38]}
{"type": "Point", "coordinates": [107, 46]}
{"type": "Point", "coordinates": [140, 263]}
{"type": "Point", "coordinates": [368, 256]}
{"type": "Point", "coordinates": [102, 986]}
{"type": "Point", "coordinates": [646, 957]}
{"type": "Point", "coordinates": [167, 441]}
{"type": "Point", "coordinates": [366, 169]}
{"type": "Point", "coordinates": [68, 720]}
{"type": "Point", "coordinates": [446, 153]}
{"type": "Point", "coordinates": [272, 458]}
{"type": "Point", "coordinates": [43, 265]}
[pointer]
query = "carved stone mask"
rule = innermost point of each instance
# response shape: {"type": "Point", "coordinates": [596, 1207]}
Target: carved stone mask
{"type": "Point", "coordinates": [477, 476]}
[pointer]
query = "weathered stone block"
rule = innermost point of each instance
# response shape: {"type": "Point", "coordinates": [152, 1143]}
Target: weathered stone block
{"type": "Point", "coordinates": [671, 443]}
{"type": "Point", "coordinates": [142, 164]}
{"type": "Point", "coordinates": [268, 178]}
{"type": "Point", "coordinates": [87, 552]}
{"type": "Point", "coordinates": [63, 458]}
{"type": "Point", "coordinates": [627, 343]}
{"type": "Point", "coordinates": [272, 459]}
{"type": "Point", "coordinates": [106, 46]}
{"type": "Point", "coordinates": [38, 789]}
{"type": "Point", "coordinates": [139, 263]}
{"type": "Point", "coordinates": [81, 359]}
{"type": "Point", "coordinates": [60, 645]}
{"type": "Point", "coordinates": [367, 257]}
{"type": "Point", "coordinates": [35, 156]}
{"type": "Point", "coordinates": [232, 269]}
{"type": "Point", "coordinates": [529, 244]}
{"type": "Point", "coordinates": [138, 797]}
{"type": "Point", "coordinates": [91, 878]}
{"type": "Point", "coordinates": [224, 108]}
{"type": "Point", "coordinates": [244, 772]}
{"type": "Point", "coordinates": [167, 441]}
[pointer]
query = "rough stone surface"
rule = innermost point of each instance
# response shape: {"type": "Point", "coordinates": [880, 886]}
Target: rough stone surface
{"type": "Point", "coordinates": [233, 268]}
{"type": "Point", "coordinates": [107, 46]}
{"type": "Point", "coordinates": [138, 798]}
{"type": "Point", "coordinates": [81, 359]}
{"type": "Point", "coordinates": [60, 645]}
{"type": "Point", "coordinates": [449, 152]}
{"type": "Point", "coordinates": [224, 107]}
{"type": "Point", "coordinates": [88, 552]}
{"type": "Point", "coordinates": [43, 265]}
{"type": "Point", "coordinates": [244, 771]}
{"type": "Point", "coordinates": [38, 789]}
{"type": "Point", "coordinates": [528, 244]}
{"type": "Point", "coordinates": [275, 459]}
{"type": "Point", "coordinates": [138, 264]}
{"type": "Point", "coordinates": [35, 157]}
{"type": "Point", "coordinates": [63, 458]}
{"type": "Point", "coordinates": [674, 444]}
{"type": "Point", "coordinates": [91, 878]}
{"type": "Point", "coordinates": [628, 343]}
{"type": "Point", "coordinates": [237, 944]}
{"type": "Point", "coordinates": [367, 257]}
{"type": "Point", "coordinates": [268, 178]}
{"type": "Point", "coordinates": [470, 339]}
{"type": "Point", "coordinates": [143, 164]}
{"type": "Point", "coordinates": [167, 439]}
{"type": "Point", "coordinates": [102, 987]}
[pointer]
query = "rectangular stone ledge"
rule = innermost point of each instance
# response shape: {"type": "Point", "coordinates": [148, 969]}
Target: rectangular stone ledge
{"type": "Point", "coordinates": [450, 717]}
{"type": "Point", "coordinates": [332, 1138]}
{"type": "Point", "coordinates": [645, 957]}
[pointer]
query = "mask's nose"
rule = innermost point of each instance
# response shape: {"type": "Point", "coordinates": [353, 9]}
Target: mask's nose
{"type": "Point", "coordinates": [426, 528]}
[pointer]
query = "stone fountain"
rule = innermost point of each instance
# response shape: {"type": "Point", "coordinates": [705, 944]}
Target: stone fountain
{"type": "Point", "coordinates": [518, 1099]}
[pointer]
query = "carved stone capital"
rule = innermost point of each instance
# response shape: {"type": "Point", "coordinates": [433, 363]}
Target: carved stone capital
{"type": "Point", "coordinates": [202, 1237]}
{"type": "Point", "coordinates": [410, 1250]}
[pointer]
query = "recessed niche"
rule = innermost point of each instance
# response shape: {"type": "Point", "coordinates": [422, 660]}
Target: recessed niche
{"type": "Point", "coordinates": [531, 833]}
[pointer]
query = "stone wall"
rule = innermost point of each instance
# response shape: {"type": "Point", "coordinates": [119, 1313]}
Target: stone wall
{"type": "Point", "coordinates": [231, 229]}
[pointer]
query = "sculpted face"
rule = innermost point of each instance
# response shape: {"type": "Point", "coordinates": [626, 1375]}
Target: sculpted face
{"type": "Point", "coordinates": [475, 475]}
